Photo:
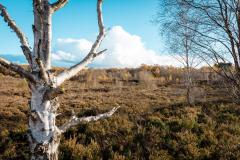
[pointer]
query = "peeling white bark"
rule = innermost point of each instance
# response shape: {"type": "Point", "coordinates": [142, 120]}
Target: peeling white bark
{"type": "Point", "coordinates": [42, 120]}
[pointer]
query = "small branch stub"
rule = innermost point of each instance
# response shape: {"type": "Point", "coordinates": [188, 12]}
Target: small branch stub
{"type": "Point", "coordinates": [52, 93]}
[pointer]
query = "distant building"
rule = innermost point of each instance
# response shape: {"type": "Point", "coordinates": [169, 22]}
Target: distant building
{"type": "Point", "coordinates": [223, 66]}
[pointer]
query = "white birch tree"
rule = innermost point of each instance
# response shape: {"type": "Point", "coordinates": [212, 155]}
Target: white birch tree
{"type": "Point", "coordinates": [44, 135]}
{"type": "Point", "coordinates": [217, 34]}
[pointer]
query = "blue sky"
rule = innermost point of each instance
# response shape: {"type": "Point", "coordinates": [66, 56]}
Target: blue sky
{"type": "Point", "coordinates": [77, 20]}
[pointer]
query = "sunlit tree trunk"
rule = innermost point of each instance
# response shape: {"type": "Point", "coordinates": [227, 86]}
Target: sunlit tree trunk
{"type": "Point", "coordinates": [44, 135]}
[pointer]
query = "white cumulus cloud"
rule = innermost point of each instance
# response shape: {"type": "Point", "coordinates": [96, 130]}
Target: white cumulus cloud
{"type": "Point", "coordinates": [123, 50]}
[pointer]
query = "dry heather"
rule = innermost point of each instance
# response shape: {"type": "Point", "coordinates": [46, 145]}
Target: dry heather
{"type": "Point", "coordinates": [154, 121]}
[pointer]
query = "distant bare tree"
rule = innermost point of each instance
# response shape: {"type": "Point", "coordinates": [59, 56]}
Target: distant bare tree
{"type": "Point", "coordinates": [44, 135]}
{"type": "Point", "coordinates": [179, 40]}
{"type": "Point", "coordinates": [218, 32]}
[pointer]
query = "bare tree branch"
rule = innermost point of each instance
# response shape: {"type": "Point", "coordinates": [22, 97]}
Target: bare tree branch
{"type": "Point", "coordinates": [75, 120]}
{"type": "Point", "coordinates": [18, 69]}
{"type": "Point", "coordinates": [72, 71]}
{"type": "Point", "coordinates": [58, 5]}
{"type": "Point", "coordinates": [23, 40]}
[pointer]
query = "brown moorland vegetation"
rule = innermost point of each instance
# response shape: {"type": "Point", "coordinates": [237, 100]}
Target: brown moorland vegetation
{"type": "Point", "coordinates": [154, 122]}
